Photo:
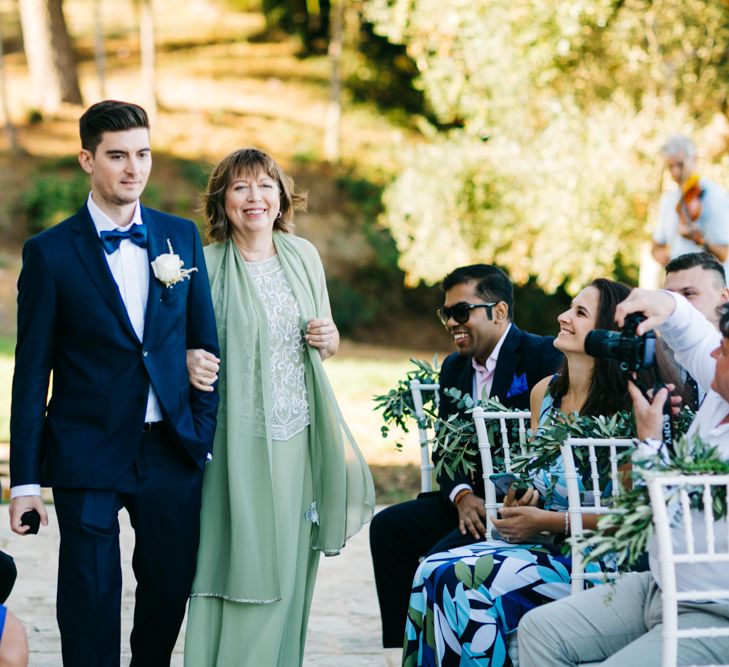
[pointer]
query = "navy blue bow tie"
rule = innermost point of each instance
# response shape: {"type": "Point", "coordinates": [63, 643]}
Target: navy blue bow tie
{"type": "Point", "coordinates": [111, 239]}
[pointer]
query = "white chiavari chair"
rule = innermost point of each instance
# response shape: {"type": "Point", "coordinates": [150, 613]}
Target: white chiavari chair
{"type": "Point", "coordinates": [485, 448]}
{"type": "Point", "coordinates": [426, 465]}
{"type": "Point", "coordinates": [687, 537]}
{"type": "Point", "coordinates": [598, 504]}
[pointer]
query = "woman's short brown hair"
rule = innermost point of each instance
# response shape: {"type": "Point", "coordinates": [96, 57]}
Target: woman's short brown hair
{"type": "Point", "coordinates": [247, 162]}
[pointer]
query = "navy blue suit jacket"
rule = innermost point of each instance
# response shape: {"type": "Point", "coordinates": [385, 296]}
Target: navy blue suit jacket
{"type": "Point", "coordinates": [72, 323]}
{"type": "Point", "coordinates": [524, 359]}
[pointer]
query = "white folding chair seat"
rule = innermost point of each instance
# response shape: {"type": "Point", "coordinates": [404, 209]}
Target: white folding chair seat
{"type": "Point", "coordinates": [485, 448]}
{"type": "Point", "coordinates": [687, 537]}
{"type": "Point", "coordinates": [598, 506]}
{"type": "Point", "coordinates": [426, 465]}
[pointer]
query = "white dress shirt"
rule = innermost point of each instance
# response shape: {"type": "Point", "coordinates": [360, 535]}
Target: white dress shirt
{"type": "Point", "coordinates": [129, 266]}
{"type": "Point", "coordinates": [692, 338]}
{"type": "Point", "coordinates": [483, 378]}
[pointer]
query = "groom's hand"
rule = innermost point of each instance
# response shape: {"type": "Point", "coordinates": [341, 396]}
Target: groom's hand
{"type": "Point", "coordinates": [21, 505]}
{"type": "Point", "coordinates": [202, 369]}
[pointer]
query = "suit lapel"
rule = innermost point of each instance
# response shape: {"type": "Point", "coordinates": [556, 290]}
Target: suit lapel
{"type": "Point", "coordinates": [506, 364]}
{"type": "Point", "coordinates": [91, 254]}
{"type": "Point", "coordinates": [464, 381]}
{"type": "Point", "coordinates": [156, 245]}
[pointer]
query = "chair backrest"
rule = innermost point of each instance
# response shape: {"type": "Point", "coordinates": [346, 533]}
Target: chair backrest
{"type": "Point", "coordinates": [598, 506]}
{"type": "Point", "coordinates": [677, 530]}
{"type": "Point", "coordinates": [426, 465]}
{"type": "Point", "coordinates": [485, 448]}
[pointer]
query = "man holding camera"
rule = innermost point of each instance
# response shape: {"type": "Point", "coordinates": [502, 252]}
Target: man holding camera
{"type": "Point", "coordinates": [621, 624]}
{"type": "Point", "coordinates": [494, 358]}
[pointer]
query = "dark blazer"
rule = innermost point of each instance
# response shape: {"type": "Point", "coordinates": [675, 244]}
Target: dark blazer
{"type": "Point", "coordinates": [72, 322]}
{"type": "Point", "coordinates": [524, 359]}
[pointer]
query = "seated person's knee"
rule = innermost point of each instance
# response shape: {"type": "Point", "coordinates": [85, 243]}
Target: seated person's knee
{"type": "Point", "coordinates": [8, 574]}
{"type": "Point", "coordinates": [531, 624]}
{"type": "Point", "coordinates": [13, 643]}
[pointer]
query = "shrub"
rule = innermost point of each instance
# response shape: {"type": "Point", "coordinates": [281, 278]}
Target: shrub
{"type": "Point", "coordinates": [50, 199]}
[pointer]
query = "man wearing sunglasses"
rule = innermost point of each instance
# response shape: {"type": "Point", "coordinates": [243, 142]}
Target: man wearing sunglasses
{"type": "Point", "coordinates": [494, 358]}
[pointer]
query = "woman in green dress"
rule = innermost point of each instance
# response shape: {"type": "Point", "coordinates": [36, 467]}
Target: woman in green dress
{"type": "Point", "coordinates": [286, 480]}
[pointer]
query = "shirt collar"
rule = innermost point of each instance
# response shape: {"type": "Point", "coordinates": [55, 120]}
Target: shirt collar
{"type": "Point", "coordinates": [490, 364]}
{"type": "Point", "coordinates": [103, 222]}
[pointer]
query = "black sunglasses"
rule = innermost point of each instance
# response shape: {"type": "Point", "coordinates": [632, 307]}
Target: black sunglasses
{"type": "Point", "coordinates": [461, 311]}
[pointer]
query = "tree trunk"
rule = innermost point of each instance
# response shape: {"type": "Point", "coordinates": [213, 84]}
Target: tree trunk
{"type": "Point", "coordinates": [49, 53]}
{"type": "Point", "coordinates": [9, 127]}
{"type": "Point", "coordinates": [147, 56]}
{"type": "Point", "coordinates": [334, 108]}
{"type": "Point", "coordinates": [99, 50]}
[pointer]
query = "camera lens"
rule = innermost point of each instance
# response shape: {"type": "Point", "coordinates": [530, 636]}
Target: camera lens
{"type": "Point", "coordinates": [602, 343]}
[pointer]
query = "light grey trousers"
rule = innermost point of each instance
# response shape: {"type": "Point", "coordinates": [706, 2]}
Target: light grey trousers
{"type": "Point", "coordinates": [617, 626]}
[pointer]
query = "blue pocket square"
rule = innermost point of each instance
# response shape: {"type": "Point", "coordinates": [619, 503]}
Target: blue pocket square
{"type": "Point", "coordinates": [518, 385]}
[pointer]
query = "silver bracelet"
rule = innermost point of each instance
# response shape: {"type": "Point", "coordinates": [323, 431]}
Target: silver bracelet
{"type": "Point", "coordinates": [567, 523]}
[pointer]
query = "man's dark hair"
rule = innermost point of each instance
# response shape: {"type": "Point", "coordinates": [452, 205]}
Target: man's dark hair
{"type": "Point", "coordinates": [492, 283]}
{"type": "Point", "coordinates": [691, 259]}
{"type": "Point", "coordinates": [109, 116]}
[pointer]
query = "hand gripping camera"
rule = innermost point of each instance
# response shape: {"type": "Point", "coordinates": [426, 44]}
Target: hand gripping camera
{"type": "Point", "coordinates": [633, 353]}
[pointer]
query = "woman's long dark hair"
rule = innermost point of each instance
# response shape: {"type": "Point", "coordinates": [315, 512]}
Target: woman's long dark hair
{"type": "Point", "coordinates": [607, 394]}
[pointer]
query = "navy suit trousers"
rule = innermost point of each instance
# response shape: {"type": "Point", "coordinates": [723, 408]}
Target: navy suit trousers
{"type": "Point", "coordinates": [163, 501]}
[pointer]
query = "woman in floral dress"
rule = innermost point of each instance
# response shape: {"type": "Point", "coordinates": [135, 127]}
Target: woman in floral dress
{"type": "Point", "coordinates": [465, 602]}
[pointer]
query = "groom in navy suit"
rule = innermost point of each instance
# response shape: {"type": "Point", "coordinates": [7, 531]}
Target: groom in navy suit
{"type": "Point", "coordinates": [108, 302]}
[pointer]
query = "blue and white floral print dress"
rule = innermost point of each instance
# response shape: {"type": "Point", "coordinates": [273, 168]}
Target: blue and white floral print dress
{"type": "Point", "coordinates": [465, 602]}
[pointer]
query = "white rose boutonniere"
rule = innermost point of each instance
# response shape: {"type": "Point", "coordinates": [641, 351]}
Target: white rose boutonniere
{"type": "Point", "coordinates": [168, 268]}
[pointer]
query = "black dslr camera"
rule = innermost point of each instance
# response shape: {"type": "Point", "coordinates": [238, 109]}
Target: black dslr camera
{"type": "Point", "coordinates": [634, 352]}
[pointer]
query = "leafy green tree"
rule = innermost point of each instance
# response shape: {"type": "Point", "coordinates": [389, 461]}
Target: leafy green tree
{"type": "Point", "coordinates": [574, 100]}
{"type": "Point", "coordinates": [309, 19]}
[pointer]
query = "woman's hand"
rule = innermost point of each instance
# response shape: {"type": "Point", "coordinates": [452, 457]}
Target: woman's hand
{"type": "Point", "coordinates": [202, 369]}
{"type": "Point", "coordinates": [530, 496]}
{"type": "Point", "coordinates": [518, 524]}
{"type": "Point", "coordinates": [322, 333]}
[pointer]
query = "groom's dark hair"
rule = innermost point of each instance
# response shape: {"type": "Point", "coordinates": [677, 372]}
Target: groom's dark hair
{"type": "Point", "coordinates": [109, 116]}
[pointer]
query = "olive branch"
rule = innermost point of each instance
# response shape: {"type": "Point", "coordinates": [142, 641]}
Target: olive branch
{"type": "Point", "coordinates": [625, 532]}
{"type": "Point", "coordinates": [397, 404]}
{"type": "Point", "coordinates": [456, 440]}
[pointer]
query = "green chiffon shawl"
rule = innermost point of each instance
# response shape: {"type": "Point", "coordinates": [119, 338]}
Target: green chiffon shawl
{"type": "Point", "coordinates": [237, 554]}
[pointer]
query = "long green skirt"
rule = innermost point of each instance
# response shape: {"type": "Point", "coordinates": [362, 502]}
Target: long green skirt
{"type": "Point", "coordinates": [222, 633]}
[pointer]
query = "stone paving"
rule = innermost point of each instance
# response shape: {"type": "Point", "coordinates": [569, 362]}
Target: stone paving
{"type": "Point", "coordinates": [344, 627]}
